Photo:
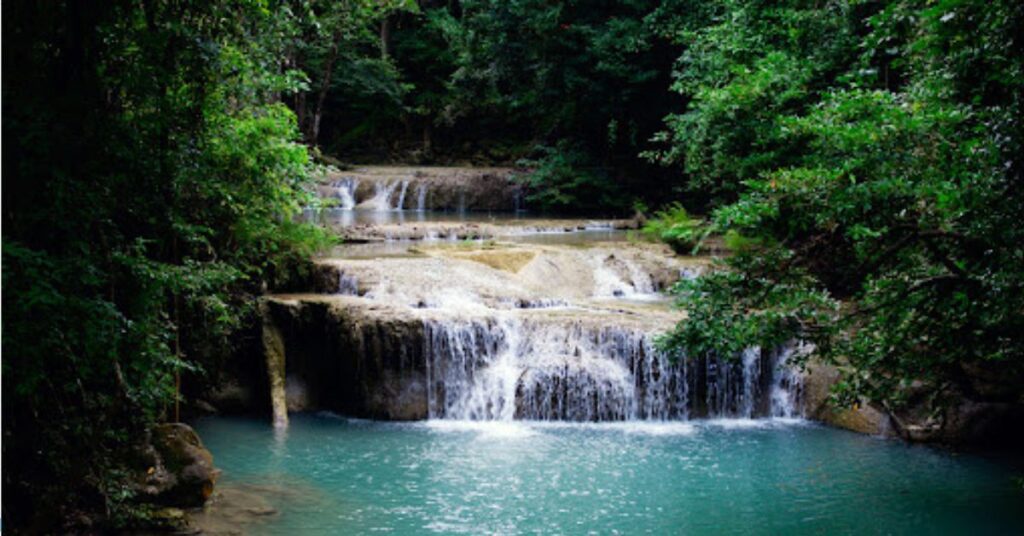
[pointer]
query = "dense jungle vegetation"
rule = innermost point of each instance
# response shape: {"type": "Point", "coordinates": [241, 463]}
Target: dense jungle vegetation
{"type": "Point", "coordinates": [860, 158]}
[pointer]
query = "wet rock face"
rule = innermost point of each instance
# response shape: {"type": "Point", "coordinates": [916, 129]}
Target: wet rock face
{"type": "Point", "coordinates": [961, 419]}
{"type": "Point", "coordinates": [177, 468]}
{"type": "Point", "coordinates": [988, 423]}
{"type": "Point", "coordinates": [354, 364]}
{"type": "Point", "coordinates": [274, 355]}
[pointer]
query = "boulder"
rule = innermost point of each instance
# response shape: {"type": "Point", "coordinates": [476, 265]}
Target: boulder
{"type": "Point", "coordinates": [963, 421]}
{"type": "Point", "coordinates": [178, 471]}
{"type": "Point", "coordinates": [959, 419]}
{"type": "Point", "coordinates": [863, 418]}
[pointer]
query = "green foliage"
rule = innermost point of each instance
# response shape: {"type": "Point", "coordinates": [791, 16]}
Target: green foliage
{"type": "Point", "coordinates": [563, 178]}
{"type": "Point", "coordinates": [674, 226]}
{"type": "Point", "coordinates": [751, 65]}
{"type": "Point", "coordinates": [345, 72]}
{"type": "Point", "coordinates": [487, 81]}
{"type": "Point", "coordinates": [152, 195]}
{"type": "Point", "coordinates": [733, 308]}
{"type": "Point", "coordinates": [888, 231]}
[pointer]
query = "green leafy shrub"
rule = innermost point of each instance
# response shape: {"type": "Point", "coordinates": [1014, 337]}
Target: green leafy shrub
{"type": "Point", "coordinates": [888, 232]}
{"type": "Point", "coordinates": [150, 204]}
{"type": "Point", "coordinates": [674, 226]}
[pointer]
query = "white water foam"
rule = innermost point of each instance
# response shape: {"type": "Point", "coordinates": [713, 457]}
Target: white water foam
{"type": "Point", "coordinates": [345, 191]}
{"type": "Point", "coordinates": [384, 193]}
{"type": "Point", "coordinates": [511, 369]}
{"type": "Point", "coordinates": [525, 428]}
{"type": "Point", "coordinates": [486, 429]}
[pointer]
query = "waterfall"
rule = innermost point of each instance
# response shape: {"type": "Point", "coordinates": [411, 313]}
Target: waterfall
{"type": "Point", "coordinates": [787, 384]}
{"type": "Point", "coordinates": [620, 278]}
{"type": "Point", "coordinates": [733, 388]}
{"type": "Point", "coordinates": [384, 192]}
{"type": "Point", "coordinates": [508, 368]}
{"type": "Point", "coordinates": [401, 196]}
{"type": "Point", "coordinates": [345, 191]}
{"type": "Point", "coordinates": [348, 285]}
{"type": "Point", "coordinates": [421, 197]}
{"type": "Point", "coordinates": [751, 372]}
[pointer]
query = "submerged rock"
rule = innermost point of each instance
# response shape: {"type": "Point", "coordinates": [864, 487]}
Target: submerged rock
{"type": "Point", "coordinates": [238, 508]}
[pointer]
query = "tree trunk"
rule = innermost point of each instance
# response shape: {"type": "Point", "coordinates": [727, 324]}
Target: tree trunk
{"type": "Point", "coordinates": [300, 113]}
{"type": "Point", "coordinates": [325, 84]}
{"type": "Point", "coordinates": [385, 38]}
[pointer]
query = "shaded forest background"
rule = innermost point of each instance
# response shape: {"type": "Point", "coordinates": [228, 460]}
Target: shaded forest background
{"type": "Point", "coordinates": [861, 159]}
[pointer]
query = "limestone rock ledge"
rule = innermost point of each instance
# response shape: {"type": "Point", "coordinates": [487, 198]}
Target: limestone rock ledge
{"type": "Point", "coordinates": [965, 420]}
{"type": "Point", "coordinates": [360, 365]}
{"type": "Point", "coordinates": [353, 357]}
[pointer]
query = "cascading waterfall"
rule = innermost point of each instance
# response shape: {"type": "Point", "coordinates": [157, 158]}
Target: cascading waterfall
{"type": "Point", "coordinates": [401, 196]}
{"type": "Point", "coordinates": [384, 192]}
{"type": "Point", "coordinates": [787, 384]}
{"type": "Point", "coordinates": [421, 197]}
{"type": "Point", "coordinates": [497, 344]}
{"type": "Point", "coordinates": [348, 285]}
{"type": "Point", "coordinates": [622, 279]}
{"type": "Point", "coordinates": [507, 368]}
{"type": "Point", "coordinates": [345, 191]}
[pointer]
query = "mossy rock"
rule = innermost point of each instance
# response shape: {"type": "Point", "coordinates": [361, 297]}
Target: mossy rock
{"type": "Point", "coordinates": [183, 474]}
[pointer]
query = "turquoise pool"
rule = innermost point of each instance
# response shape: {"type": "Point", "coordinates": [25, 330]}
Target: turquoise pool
{"type": "Point", "coordinates": [329, 475]}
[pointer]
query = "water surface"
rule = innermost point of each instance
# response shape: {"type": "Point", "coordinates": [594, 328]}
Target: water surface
{"type": "Point", "coordinates": [727, 476]}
